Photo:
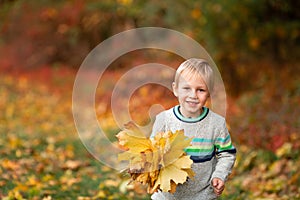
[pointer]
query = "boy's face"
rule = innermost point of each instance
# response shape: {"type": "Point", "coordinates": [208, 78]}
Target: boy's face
{"type": "Point", "coordinates": [192, 94]}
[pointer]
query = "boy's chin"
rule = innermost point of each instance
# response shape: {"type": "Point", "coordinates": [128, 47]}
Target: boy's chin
{"type": "Point", "coordinates": [193, 109]}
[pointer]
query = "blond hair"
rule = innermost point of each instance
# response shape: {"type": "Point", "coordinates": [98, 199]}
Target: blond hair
{"type": "Point", "coordinates": [195, 67]}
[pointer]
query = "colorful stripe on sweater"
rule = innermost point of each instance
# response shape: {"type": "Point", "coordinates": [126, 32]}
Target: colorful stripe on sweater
{"type": "Point", "coordinates": [204, 149]}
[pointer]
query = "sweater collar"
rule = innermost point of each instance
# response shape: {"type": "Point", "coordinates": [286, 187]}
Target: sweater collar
{"type": "Point", "coordinates": [190, 120]}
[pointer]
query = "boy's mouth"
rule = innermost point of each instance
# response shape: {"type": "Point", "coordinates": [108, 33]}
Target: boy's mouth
{"type": "Point", "coordinates": [192, 103]}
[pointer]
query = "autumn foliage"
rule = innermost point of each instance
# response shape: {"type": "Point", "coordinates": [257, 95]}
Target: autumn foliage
{"type": "Point", "coordinates": [159, 163]}
{"type": "Point", "coordinates": [255, 44]}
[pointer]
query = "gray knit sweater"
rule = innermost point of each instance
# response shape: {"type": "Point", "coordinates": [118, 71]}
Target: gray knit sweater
{"type": "Point", "coordinates": [212, 151]}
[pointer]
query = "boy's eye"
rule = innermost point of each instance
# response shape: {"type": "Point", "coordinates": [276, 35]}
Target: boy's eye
{"type": "Point", "coordinates": [201, 90]}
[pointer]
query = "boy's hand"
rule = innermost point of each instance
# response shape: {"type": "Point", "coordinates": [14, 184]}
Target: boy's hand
{"type": "Point", "coordinates": [218, 186]}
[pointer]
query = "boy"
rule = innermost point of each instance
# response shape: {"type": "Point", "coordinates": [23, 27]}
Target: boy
{"type": "Point", "coordinates": [211, 148]}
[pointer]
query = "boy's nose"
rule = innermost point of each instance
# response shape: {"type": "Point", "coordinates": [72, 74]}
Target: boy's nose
{"type": "Point", "coordinates": [193, 94]}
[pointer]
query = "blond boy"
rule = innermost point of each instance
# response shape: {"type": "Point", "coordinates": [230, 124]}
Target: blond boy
{"type": "Point", "coordinates": [211, 148]}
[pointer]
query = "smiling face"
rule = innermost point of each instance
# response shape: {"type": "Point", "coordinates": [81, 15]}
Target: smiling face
{"type": "Point", "coordinates": [192, 94]}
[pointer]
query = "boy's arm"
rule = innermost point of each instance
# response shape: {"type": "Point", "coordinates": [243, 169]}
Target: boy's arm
{"type": "Point", "coordinates": [226, 155]}
{"type": "Point", "coordinates": [225, 162]}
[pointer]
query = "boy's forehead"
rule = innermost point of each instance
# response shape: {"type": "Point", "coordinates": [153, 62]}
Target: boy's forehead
{"type": "Point", "coordinates": [188, 76]}
{"type": "Point", "coordinates": [191, 81]}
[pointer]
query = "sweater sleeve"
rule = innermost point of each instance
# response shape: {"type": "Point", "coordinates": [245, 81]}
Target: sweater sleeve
{"type": "Point", "coordinates": [226, 154]}
{"type": "Point", "coordinates": [159, 125]}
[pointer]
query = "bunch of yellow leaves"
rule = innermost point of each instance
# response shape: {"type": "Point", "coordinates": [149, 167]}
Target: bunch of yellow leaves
{"type": "Point", "coordinates": [160, 163]}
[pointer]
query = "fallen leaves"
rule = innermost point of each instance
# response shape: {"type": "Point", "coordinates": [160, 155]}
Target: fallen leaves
{"type": "Point", "coordinates": [41, 157]}
{"type": "Point", "coordinates": [277, 173]}
{"type": "Point", "coordinates": [159, 163]}
{"type": "Point", "coordinates": [72, 165]}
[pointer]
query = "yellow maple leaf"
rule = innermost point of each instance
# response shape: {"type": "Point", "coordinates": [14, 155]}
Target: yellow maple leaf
{"type": "Point", "coordinates": [178, 141]}
{"type": "Point", "coordinates": [133, 143]}
{"type": "Point", "coordinates": [168, 173]}
{"type": "Point", "coordinates": [183, 162]}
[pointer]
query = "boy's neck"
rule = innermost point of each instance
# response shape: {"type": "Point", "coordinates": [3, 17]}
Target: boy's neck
{"type": "Point", "coordinates": [190, 117]}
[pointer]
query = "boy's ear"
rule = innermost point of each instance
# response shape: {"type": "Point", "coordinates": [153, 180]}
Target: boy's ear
{"type": "Point", "coordinates": [174, 89]}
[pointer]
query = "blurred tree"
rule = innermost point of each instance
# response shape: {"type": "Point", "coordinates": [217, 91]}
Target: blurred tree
{"type": "Point", "coordinates": [237, 34]}
{"type": "Point", "coordinates": [241, 33]}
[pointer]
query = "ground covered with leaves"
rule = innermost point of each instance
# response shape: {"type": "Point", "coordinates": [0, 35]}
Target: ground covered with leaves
{"type": "Point", "coordinates": [42, 157]}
